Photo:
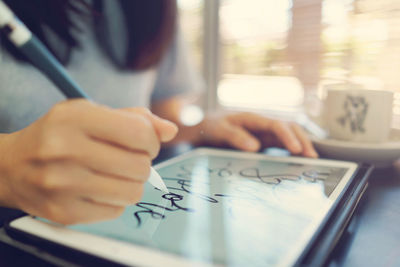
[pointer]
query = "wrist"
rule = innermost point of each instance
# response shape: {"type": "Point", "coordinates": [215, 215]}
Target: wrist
{"type": "Point", "coordinates": [6, 158]}
{"type": "Point", "coordinates": [200, 133]}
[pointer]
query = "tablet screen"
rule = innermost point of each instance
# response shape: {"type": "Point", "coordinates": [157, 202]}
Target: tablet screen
{"type": "Point", "coordinates": [232, 208]}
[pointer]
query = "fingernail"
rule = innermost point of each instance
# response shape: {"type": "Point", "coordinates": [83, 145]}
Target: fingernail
{"type": "Point", "coordinates": [166, 121]}
{"type": "Point", "coordinates": [314, 154]}
{"type": "Point", "coordinates": [296, 146]}
{"type": "Point", "coordinates": [251, 144]}
{"type": "Point", "coordinates": [174, 126]}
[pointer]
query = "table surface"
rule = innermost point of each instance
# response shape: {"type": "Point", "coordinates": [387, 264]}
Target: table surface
{"type": "Point", "coordinates": [376, 235]}
{"type": "Point", "coordinates": [374, 238]}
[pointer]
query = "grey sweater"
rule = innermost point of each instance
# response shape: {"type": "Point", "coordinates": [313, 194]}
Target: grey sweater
{"type": "Point", "coordinates": [25, 94]}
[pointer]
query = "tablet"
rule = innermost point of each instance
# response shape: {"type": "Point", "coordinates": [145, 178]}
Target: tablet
{"type": "Point", "coordinates": [224, 208]}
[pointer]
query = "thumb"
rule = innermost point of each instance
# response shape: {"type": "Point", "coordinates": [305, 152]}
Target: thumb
{"type": "Point", "coordinates": [166, 130]}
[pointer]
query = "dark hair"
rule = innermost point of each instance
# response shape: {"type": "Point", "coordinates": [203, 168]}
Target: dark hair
{"type": "Point", "coordinates": [150, 27]}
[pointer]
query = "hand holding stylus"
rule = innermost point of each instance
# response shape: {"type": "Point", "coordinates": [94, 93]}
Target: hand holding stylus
{"type": "Point", "coordinates": [81, 162]}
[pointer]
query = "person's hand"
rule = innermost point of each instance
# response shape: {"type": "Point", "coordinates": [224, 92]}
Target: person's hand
{"type": "Point", "coordinates": [81, 162]}
{"type": "Point", "coordinates": [251, 132]}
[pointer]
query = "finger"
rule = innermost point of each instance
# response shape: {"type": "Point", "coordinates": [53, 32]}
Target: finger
{"type": "Point", "coordinates": [252, 121]}
{"type": "Point", "coordinates": [117, 192]}
{"type": "Point", "coordinates": [80, 210]}
{"type": "Point", "coordinates": [106, 189]}
{"type": "Point", "coordinates": [129, 130]}
{"type": "Point", "coordinates": [166, 130]}
{"type": "Point", "coordinates": [239, 138]}
{"type": "Point", "coordinates": [269, 139]}
{"type": "Point", "coordinates": [68, 180]}
{"type": "Point", "coordinates": [308, 148]}
{"type": "Point", "coordinates": [286, 135]}
{"type": "Point", "coordinates": [113, 160]}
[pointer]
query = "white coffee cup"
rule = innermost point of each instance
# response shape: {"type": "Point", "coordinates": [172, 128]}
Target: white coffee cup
{"type": "Point", "coordinates": [358, 115]}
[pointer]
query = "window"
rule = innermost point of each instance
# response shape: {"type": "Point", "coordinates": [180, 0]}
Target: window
{"type": "Point", "coordinates": [277, 55]}
{"type": "Point", "coordinates": [191, 23]}
{"type": "Point", "coordinates": [256, 71]}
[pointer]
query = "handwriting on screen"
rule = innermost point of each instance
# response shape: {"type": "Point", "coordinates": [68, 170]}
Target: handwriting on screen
{"type": "Point", "coordinates": [182, 186]}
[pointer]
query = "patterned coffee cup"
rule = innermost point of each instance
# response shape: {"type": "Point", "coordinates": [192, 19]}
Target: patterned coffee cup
{"type": "Point", "coordinates": [359, 115]}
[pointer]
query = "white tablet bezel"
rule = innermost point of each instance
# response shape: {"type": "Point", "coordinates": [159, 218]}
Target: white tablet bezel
{"type": "Point", "coordinates": [130, 254]}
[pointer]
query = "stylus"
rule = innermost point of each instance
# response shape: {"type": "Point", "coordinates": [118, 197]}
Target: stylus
{"type": "Point", "coordinates": [40, 57]}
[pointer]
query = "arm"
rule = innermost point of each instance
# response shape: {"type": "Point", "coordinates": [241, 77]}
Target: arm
{"type": "Point", "coordinates": [245, 131]}
{"type": "Point", "coordinates": [171, 110]}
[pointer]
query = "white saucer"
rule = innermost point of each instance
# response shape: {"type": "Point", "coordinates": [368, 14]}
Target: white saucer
{"type": "Point", "coordinates": [379, 154]}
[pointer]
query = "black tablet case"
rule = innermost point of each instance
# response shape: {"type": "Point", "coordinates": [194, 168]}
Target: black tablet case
{"type": "Point", "coordinates": [318, 252]}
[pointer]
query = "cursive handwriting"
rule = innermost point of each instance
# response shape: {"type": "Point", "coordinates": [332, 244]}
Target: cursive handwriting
{"type": "Point", "coordinates": [267, 178]}
{"type": "Point", "coordinates": [173, 203]}
{"type": "Point", "coordinates": [150, 208]}
{"type": "Point", "coordinates": [183, 185]}
{"type": "Point", "coordinates": [187, 171]}
{"type": "Point", "coordinates": [314, 175]}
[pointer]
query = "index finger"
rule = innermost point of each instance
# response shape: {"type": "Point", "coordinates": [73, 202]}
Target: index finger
{"type": "Point", "coordinates": [308, 148]}
{"type": "Point", "coordinates": [285, 134]}
{"type": "Point", "coordinates": [281, 130]}
{"type": "Point", "coordinates": [166, 130]}
{"type": "Point", "coordinates": [127, 130]}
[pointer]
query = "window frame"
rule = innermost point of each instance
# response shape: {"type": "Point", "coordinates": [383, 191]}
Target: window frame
{"type": "Point", "coordinates": [211, 48]}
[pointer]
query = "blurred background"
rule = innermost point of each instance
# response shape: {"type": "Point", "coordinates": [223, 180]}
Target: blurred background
{"type": "Point", "coordinates": [277, 55]}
